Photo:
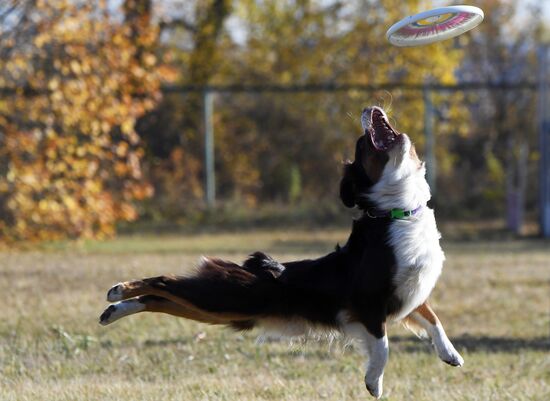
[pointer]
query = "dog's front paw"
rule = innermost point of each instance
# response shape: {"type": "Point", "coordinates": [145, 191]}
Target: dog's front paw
{"type": "Point", "coordinates": [374, 385]}
{"type": "Point", "coordinates": [453, 359]}
{"type": "Point", "coordinates": [446, 351]}
{"type": "Point", "coordinates": [448, 354]}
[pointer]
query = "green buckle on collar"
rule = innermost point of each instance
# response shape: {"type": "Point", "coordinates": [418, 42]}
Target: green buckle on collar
{"type": "Point", "coordinates": [399, 213]}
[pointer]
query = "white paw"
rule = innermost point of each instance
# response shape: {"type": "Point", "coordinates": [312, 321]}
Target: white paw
{"type": "Point", "coordinates": [120, 309]}
{"type": "Point", "coordinates": [374, 385]}
{"type": "Point", "coordinates": [452, 358]}
{"type": "Point", "coordinates": [108, 316]}
{"type": "Point", "coordinates": [450, 355]}
{"type": "Point", "coordinates": [115, 293]}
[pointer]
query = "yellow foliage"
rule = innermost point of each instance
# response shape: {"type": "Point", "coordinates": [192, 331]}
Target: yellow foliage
{"type": "Point", "coordinates": [69, 154]}
{"type": "Point", "coordinates": [314, 42]}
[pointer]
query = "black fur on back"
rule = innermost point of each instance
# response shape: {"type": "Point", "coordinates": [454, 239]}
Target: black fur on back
{"type": "Point", "coordinates": [355, 278]}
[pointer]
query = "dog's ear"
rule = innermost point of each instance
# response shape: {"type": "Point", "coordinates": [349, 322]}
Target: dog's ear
{"type": "Point", "coordinates": [348, 185]}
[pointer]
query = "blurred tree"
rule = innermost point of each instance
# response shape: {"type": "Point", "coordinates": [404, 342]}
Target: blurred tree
{"type": "Point", "coordinates": [288, 146]}
{"type": "Point", "coordinates": [173, 131]}
{"type": "Point", "coordinates": [502, 138]}
{"type": "Point", "coordinates": [333, 42]}
{"type": "Point", "coordinates": [81, 77]}
{"type": "Point", "coordinates": [75, 79]}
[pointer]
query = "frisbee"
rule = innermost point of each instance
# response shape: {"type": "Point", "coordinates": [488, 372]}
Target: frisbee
{"type": "Point", "coordinates": [434, 25]}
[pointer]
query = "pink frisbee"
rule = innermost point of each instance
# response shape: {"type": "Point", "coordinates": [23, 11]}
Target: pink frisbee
{"type": "Point", "coordinates": [434, 25]}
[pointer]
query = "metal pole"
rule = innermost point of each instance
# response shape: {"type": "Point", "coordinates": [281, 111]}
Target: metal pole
{"type": "Point", "coordinates": [429, 146]}
{"type": "Point", "coordinates": [210, 177]}
{"type": "Point", "coordinates": [544, 137]}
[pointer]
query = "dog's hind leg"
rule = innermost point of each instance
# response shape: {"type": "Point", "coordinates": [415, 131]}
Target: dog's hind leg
{"type": "Point", "coordinates": [132, 289]}
{"type": "Point", "coordinates": [426, 318]}
{"type": "Point", "coordinates": [218, 292]}
{"type": "Point", "coordinates": [162, 286]}
{"type": "Point", "coordinates": [189, 297]}
{"type": "Point", "coordinates": [153, 303]}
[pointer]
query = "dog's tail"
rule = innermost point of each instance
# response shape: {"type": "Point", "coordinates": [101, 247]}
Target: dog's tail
{"type": "Point", "coordinates": [219, 292]}
{"type": "Point", "coordinates": [231, 293]}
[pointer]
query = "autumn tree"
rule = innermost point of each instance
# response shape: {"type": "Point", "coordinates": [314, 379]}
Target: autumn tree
{"type": "Point", "coordinates": [288, 146]}
{"type": "Point", "coordinates": [502, 141]}
{"type": "Point", "coordinates": [192, 49]}
{"type": "Point", "coordinates": [74, 77]}
{"type": "Point", "coordinates": [329, 43]}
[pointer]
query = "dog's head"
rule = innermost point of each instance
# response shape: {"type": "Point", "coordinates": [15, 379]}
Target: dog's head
{"type": "Point", "coordinates": [386, 170]}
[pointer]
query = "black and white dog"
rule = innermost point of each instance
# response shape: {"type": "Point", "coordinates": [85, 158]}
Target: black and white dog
{"type": "Point", "coordinates": [384, 273]}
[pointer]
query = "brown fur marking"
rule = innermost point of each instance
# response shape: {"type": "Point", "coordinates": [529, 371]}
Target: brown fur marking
{"type": "Point", "coordinates": [176, 305]}
{"type": "Point", "coordinates": [427, 313]}
{"type": "Point", "coordinates": [162, 305]}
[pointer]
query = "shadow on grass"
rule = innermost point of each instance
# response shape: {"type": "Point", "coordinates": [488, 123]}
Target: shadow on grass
{"type": "Point", "coordinates": [402, 343]}
{"type": "Point", "coordinates": [477, 344]}
{"type": "Point", "coordinates": [168, 342]}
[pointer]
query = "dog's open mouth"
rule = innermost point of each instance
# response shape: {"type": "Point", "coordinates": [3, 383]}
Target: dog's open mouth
{"type": "Point", "coordinates": [382, 135]}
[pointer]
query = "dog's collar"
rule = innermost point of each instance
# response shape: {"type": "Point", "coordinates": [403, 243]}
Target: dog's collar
{"type": "Point", "coordinates": [397, 214]}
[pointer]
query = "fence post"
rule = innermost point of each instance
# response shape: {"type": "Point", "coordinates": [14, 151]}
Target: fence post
{"type": "Point", "coordinates": [210, 175]}
{"type": "Point", "coordinates": [544, 137]}
{"type": "Point", "coordinates": [429, 145]}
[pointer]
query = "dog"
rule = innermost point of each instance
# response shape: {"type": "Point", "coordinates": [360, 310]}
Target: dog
{"type": "Point", "coordinates": [384, 273]}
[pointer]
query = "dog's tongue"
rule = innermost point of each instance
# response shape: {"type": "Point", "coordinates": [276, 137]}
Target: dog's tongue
{"type": "Point", "coordinates": [382, 135]}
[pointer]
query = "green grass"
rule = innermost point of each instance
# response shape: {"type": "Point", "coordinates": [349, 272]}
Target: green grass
{"type": "Point", "coordinates": [493, 298]}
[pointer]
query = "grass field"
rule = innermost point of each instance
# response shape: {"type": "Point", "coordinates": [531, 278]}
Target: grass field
{"type": "Point", "coordinates": [493, 298]}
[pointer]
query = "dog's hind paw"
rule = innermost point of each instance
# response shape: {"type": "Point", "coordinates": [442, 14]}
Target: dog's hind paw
{"type": "Point", "coordinates": [115, 293]}
{"type": "Point", "coordinates": [107, 315]}
{"type": "Point", "coordinates": [120, 309]}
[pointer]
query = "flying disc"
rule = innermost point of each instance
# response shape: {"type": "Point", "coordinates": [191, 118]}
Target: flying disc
{"type": "Point", "coordinates": [434, 25]}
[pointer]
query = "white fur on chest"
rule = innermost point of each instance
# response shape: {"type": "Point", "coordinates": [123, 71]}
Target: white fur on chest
{"type": "Point", "coordinates": [419, 258]}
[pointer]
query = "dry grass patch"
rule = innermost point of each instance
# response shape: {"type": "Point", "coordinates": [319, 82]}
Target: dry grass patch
{"type": "Point", "coordinates": [493, 299]}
